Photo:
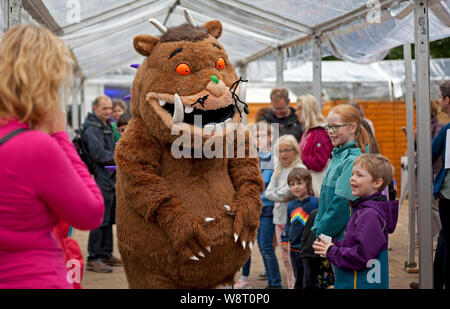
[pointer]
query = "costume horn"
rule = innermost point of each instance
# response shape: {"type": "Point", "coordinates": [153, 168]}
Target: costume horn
{"type": "Point", "coordinates": [158, 25]}
{"type": "Point", "coordinates": [189, 18]}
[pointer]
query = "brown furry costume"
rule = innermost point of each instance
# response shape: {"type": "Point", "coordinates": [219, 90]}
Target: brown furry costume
{"type": "Point", "coordinates": [162, 201]}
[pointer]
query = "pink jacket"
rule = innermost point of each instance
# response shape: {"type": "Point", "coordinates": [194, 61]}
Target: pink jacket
{"type": "Point", "coordinates": [42, 181]}
{"type": "Point", "coordinates": [315, 148]}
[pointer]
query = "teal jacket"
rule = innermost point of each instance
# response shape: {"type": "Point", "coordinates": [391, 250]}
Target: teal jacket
{"type": "Point", "coordinates": [335, 193]}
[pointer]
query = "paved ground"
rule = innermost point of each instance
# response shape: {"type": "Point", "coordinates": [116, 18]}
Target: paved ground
{"type": "Point", "coordinates": [399, 278]}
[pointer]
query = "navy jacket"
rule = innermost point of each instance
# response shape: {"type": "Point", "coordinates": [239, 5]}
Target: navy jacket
{"type": "Point", "coordinates": [438, 150]}
{"type": "Point", "coordinates": [100, 143]}
{"type": "Point", "coordinates": [292, 125]}
{"type": "Point", "coordinates": [297, 215]}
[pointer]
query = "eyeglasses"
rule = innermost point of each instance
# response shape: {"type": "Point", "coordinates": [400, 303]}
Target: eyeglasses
{"type": "Point", "coordinates": [334, 127]}
{"type": "Point", "coordinates": [285, 150]}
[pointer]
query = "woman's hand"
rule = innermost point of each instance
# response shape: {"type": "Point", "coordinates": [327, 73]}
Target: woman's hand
{"type": "Point", "coordinates": [321, 246]}
{"type": "Point", "coordinates": [54, 122]}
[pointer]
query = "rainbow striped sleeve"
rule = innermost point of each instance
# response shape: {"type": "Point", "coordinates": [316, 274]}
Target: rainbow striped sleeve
{"type": "Point", "coordinates": [299, 214]}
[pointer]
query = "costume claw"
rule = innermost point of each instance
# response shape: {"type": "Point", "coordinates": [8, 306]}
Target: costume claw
{"type": "Point", "coordinates": [235, 237]}
{"type": "Point", "coordinates": [194, 258]}
{"type": "Point", "coordinates": [209, 219]}
{"type": "Point", "coordinates": [250, 245]}
{"type": "Point", "coordinates": [209, 249]}
{"type": "Point", "coordinates": [243, 244]}
{"type": "Point", "coordinates": [227, 208]}
{"type": "Point", "coordinates": [201, 254]}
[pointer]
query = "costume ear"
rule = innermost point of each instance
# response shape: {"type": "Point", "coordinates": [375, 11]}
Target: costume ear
{"type": "Point", "coordinates": [144, 44]}
{"type": "Point", "coordinates": [214, 28]}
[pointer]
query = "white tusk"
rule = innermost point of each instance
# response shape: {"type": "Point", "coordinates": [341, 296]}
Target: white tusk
{"type": "Point", "coordinates": [209, 219]}
{"type": "Point", "coordinates": [229, 120]}
{"type": "Point", "coordinates": [189, 18]}
{"type": "Point", "coordinates": [162, 102]}
{"type": "Point", "coordinates": [188, 109]}
{"type": "Point", "coordinates": [178, 114]}
{"type": "Point", "coordinates": [158, 25]}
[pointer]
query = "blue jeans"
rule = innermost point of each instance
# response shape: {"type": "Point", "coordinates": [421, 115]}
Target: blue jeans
{"type": "Point", "coordinates": [266, 232]}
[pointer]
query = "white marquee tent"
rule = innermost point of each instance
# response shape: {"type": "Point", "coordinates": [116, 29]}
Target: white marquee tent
{"type": "Point", "coordinates": [287, 32]}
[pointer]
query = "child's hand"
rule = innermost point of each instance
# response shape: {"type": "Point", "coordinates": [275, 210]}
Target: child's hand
{"type": "Point", "coordinates": [321, 247]}
{"type": "Point", "coordinates": [284, 246]}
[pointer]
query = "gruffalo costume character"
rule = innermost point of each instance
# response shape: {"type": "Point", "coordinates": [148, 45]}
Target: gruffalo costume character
{"type": "Point", "coordinates": [185, 221]}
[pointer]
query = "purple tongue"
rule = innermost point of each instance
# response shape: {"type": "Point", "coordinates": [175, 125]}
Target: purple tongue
{"type": "Point", "coordinates": [135, 66]}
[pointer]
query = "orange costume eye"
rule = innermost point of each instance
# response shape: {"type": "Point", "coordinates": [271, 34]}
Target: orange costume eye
{"type": "Point", "coordinates": [220, 64]}
{"type": "Point", "coordinates": [183, 69]}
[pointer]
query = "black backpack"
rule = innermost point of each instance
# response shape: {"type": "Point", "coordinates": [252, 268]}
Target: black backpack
{"type": "Point", "coordinates": [81, 146]}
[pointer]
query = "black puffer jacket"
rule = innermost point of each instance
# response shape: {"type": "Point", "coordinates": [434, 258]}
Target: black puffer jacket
{"type": "Point", "coordinates": [292, 125]}
{"type": "Point", "coordinates": [100, 143]}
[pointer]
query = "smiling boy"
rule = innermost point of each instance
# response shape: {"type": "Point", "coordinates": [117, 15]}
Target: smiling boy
{"type": "Point", "coordinates": [361, 256]}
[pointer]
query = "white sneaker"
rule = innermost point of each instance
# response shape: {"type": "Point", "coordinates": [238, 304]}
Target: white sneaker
{"type": "Point", "coordinates": [241, 284]}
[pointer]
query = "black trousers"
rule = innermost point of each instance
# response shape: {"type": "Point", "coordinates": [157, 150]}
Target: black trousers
{"type": "Point", "coordinates": [442, 255]}
{"type": "Point", "coordinates": [100, 244]}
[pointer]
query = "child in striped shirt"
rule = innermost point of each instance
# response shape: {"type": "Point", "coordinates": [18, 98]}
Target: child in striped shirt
{"type": "Point", "coordinates": [298, 210]}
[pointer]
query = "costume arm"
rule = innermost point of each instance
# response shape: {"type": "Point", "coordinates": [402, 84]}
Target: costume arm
{"type": "Point", "coordinates": [141, 187]}
{"type": "Point", "coordinates": [247, 180]}
{"type": "Point", "coordinates": [138, 158]}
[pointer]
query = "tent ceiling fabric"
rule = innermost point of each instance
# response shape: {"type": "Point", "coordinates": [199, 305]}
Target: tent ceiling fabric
{"type": "Point", "coordinates": [102, 38]}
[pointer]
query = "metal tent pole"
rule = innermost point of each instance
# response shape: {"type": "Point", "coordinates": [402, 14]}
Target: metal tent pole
{"type": "Point", "coordinates": [317, 70]}
{"type": "Point", "coordinates": [280, 67]}
{"type": "Point", "coordinates": [412, 187]}
{"type": "Point", "coordinates": [424, 170]}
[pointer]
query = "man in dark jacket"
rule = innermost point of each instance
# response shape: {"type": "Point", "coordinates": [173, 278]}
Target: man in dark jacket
{"type": "Point", "coordinates": [282, 114]}
{"type": "Point", "coordinates": [98, 135]}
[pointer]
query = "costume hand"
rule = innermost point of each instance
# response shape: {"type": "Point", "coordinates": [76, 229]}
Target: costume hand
{"type": "Point", "coordinates": [185, 232]}
{"type": "Point", "coordinates": [246, 223]}
{"type": "Point", "coordinates": [321, 246]}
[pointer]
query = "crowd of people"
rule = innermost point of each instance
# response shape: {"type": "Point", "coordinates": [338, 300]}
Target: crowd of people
{"type": "Point", "coordinates": [328, 205]}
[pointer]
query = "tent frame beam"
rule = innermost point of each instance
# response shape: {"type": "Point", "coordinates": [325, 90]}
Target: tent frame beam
{"type": "Point", "coordinates": [268, 15]}
{"type": "Point", "coordinates": [106, 15]}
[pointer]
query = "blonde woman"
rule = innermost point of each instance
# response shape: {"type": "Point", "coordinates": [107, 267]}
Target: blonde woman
{"type": "Point", "coordinates": [42, 180]}
{"type": "Point", "coordinates": [315, 145]}
{"type": "Point", "coordinates": [286, 157]}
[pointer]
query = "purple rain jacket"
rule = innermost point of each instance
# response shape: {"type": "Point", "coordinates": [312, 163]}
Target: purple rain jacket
{"type": "Point", "coordinates": [366, 233]}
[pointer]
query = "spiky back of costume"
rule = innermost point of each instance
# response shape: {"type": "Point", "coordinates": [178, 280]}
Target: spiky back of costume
{"type": "Point", "coordinates": [184, 222]}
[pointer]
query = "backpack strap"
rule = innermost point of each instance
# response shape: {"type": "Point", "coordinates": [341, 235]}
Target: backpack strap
{"type": "Point", "coordinates": [10, 135]}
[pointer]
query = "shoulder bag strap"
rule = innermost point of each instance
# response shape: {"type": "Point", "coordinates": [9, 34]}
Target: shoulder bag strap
{"type": "Point", "coordinates": [10, 135]}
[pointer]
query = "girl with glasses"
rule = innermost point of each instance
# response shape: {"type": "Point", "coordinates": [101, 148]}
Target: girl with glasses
{"type": "Point", "coordinates": [286, 157]}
